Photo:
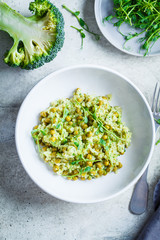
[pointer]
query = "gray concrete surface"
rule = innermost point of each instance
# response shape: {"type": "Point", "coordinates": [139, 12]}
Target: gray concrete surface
{"type": "Point", "coordinates": [26, 212]}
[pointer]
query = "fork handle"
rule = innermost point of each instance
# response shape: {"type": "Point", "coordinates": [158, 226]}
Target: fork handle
{"type": "Point", "coordinates": [138, 203]}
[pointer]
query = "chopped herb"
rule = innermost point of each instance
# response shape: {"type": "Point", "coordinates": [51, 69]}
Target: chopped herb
{"type": "Point", "coordinates": [38, 130]}
{"type": "Point", "coordinates": [52, 143]}
{"type": "Point", "coordinates": [75, 162]}
{"type": "Point", "coordinates": [43, 132]}
{"type": "Point", "coordinates": [86, 108]}
{"type": "Point", "coordinates": [38, 145]}
{"type": "Point", "coordinates": [107, 148]}
{"type": "Point", "coordinates": [80, 156]}
{"type": "Point", "coordinates": [103, 142]}
{"type": "Point", "coordinates": [85, 119]}
{"type": "Point", "coordinates": [94, 115]}
{"type": "Point", "coordinates": [58, 125]}
{"type": "Point", "coordinates": [87, 169]}
{"type": "Point", "coordinates": [65, 113]}
{"type": "Point", "coordinates": [97, 132]}
{"type": "Point", "coordinates": [77, 144]}
{"type": "Point", "coordinates": [100, 127]}
{"type": "Point", "coordinates": [64, 141]}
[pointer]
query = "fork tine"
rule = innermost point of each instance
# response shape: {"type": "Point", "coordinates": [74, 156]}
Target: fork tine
{"type": "Point", "coordinates": [157, 101]}
{"type": "Point", "coordinates": [154, 96]}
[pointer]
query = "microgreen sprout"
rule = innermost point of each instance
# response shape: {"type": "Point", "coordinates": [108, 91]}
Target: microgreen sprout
{"type": "Point", "coordinates": [100, 123]}
{"type": "Point", "coordinates": [143, 15]}
{"type": "Point", "coordinates": [81, 33]}
{"type": "Point", "coordinates": [83, 24]}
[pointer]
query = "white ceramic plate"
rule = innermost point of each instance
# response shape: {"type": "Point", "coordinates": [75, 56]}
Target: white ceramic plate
{"type": "Point", "coordinates": [93, 80]}
{"type": "Point", "coordinates": [104, 8]}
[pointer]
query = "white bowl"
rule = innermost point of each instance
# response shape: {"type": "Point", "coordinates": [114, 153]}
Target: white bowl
{"type": "Point", "coordinates": [93, 80]}
{"type": "Point", "coordinates": [104, 8]}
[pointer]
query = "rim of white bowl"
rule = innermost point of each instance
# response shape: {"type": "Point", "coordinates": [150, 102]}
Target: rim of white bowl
{"type": "Point", "coordinates": [97, 16]}
{"type": "Point", "coordinates": [91, 66]}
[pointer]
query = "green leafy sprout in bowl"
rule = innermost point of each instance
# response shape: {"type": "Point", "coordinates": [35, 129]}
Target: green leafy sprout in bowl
{"type": "Point", "coordinates": [143, 15]}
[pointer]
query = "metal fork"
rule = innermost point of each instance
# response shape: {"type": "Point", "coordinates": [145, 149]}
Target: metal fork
{"type": "Point", "coordinates": [138, 203]}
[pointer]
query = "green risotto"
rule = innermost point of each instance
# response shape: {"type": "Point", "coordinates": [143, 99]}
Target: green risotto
{"type": "Point", "coordinates": [82, 137]}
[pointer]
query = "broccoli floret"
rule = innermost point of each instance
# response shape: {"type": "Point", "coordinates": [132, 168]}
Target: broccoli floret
{"type": "Point", "coordinates": [37, 39]}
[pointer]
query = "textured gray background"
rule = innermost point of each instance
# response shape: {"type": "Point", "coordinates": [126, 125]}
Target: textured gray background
{"type": "Point", "coordinates": [26, 212]}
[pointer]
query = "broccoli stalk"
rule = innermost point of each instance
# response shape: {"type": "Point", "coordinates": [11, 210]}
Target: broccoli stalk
{"type": "Point", "coordinates": [37, 39]}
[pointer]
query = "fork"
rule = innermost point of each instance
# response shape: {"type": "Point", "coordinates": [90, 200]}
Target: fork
{"type": "Point", "coordinates": [138, 203]}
